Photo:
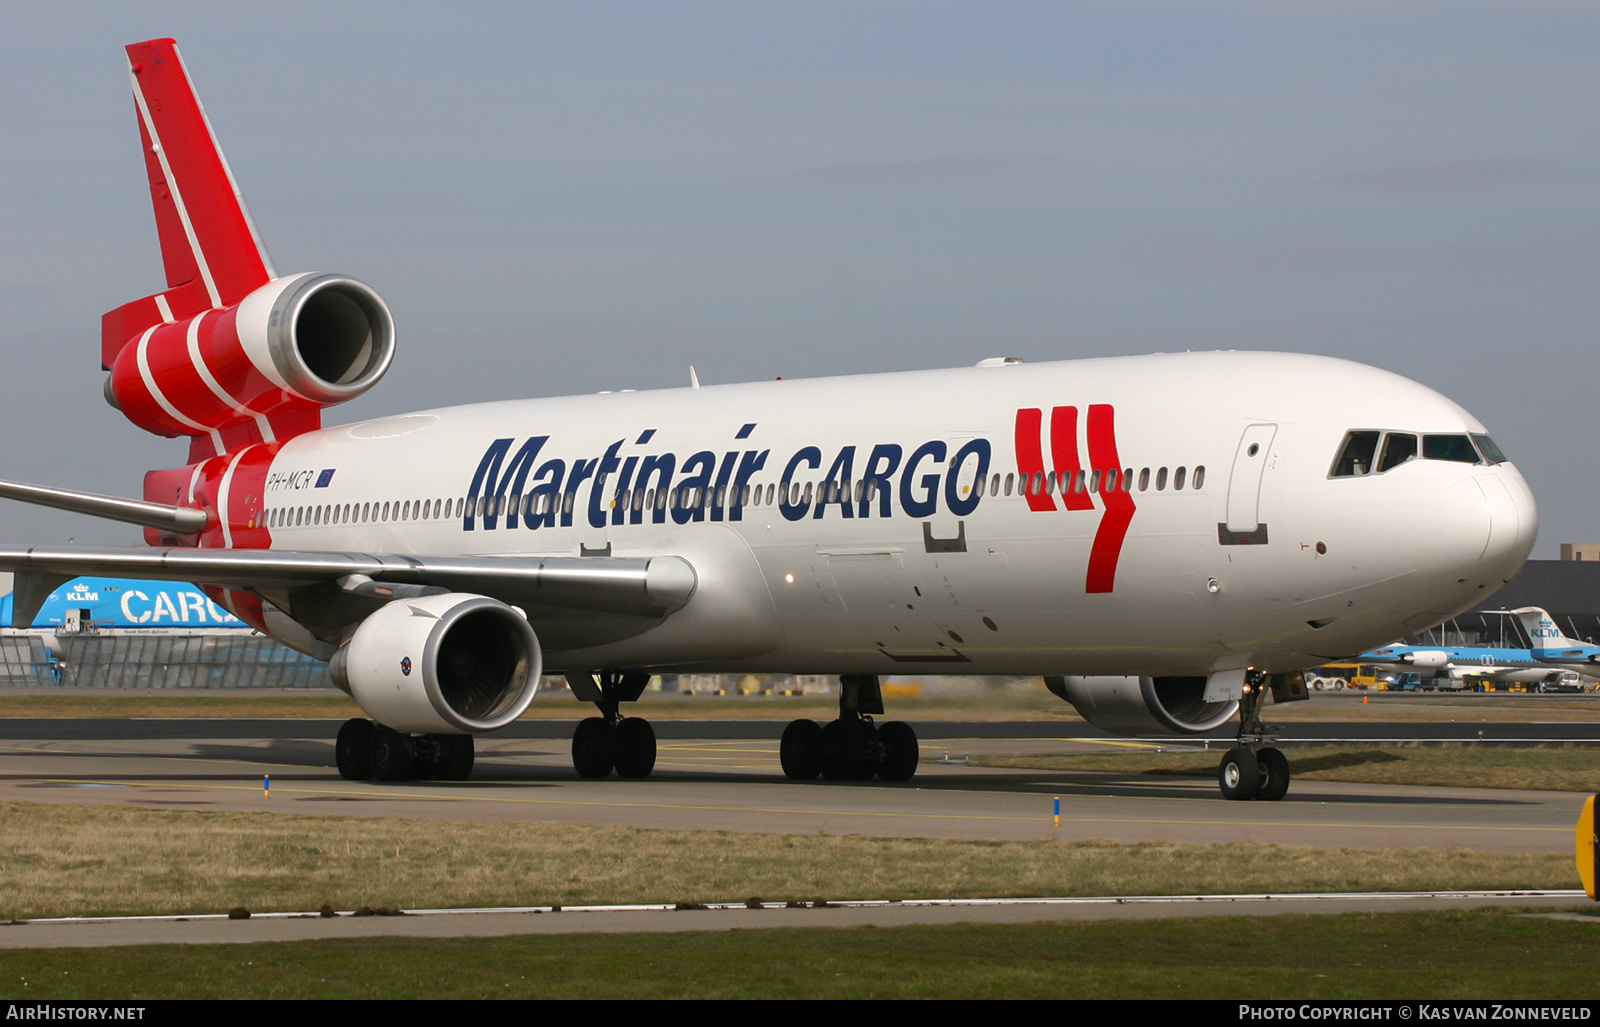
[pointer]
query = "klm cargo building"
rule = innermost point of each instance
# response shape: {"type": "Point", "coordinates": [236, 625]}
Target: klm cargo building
{"type": "Point", "coordinates": [117, 633]}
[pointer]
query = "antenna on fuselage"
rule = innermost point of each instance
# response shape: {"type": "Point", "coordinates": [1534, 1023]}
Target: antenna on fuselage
{"type": "Point", "coordinates": [694, 379]}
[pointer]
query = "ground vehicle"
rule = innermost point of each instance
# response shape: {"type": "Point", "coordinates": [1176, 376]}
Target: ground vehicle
{"type": "Point", "coordinates": [1353, 675]}
{"type": "Point", "coordinates": [1565, 681]}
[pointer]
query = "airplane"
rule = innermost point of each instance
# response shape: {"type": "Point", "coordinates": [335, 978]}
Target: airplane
{"type": "Point", "coordinates": [1165, 539]}
{"type": "Point", "coordinates": [1461, 665]}
{"type": "Point", "coordinates": [1552, 647]}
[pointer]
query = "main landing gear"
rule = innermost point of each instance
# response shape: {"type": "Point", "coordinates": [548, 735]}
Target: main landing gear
{"type": "Point", "coordinates": [1255, 768]}
{"type": "Point", "coordinates": [851, 748]}
{"type": "Point", "coordinates": [368, 751]}
{"type": "Point", "coordinates": [611, 741]}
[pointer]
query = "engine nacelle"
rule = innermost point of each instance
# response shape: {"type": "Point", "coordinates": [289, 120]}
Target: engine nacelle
{"type": "Point", "coordinates": [441, 664]}
{"type": "Point", "coordinates": [1143, 706]}
{"type": "Point", "coordinates": [296, 344]}
{"type": "Point", "coordinates": [1425, 658]}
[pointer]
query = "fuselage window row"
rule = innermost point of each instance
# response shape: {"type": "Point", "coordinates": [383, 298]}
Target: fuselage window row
{"type": "Point", "coordinates": [692, 497]}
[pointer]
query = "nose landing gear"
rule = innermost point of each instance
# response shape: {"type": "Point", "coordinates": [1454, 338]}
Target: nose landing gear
{"type": "Point", "coordinates": [1255, 768]}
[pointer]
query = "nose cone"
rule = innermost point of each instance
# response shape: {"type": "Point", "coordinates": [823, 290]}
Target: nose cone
{"type": "Point", "coordinates": [1496, 507]}
{"type": "Point", "coordinates": [1514, 520]}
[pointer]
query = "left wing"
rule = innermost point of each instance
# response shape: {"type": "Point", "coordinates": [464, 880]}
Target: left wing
{"type": "Point", "coordinates": [571, 600]}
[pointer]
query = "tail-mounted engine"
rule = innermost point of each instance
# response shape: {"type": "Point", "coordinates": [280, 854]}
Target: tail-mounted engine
{"type": "Point", "coordinates": [1143, 706]}
{"type": "Point", "coordinates": [441, 664]}
{"type": "Point", "coordinates": [1431, 658]}
{"type": "Point", "coordinates": [259, 370]}
{"type": "Point", "coordinates": [228, 353]}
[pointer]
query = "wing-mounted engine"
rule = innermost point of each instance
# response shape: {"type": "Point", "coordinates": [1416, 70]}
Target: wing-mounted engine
{"type": "Point", "coordinates": [1142, 705]}
{"type": "Point", "coordinates": [259, 370]}
{"type": "Point", "coordinates": [441, 664]}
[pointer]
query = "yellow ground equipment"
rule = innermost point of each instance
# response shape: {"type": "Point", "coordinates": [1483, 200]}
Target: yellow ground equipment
{"type": "Point", "coordinates": [1588, 850]}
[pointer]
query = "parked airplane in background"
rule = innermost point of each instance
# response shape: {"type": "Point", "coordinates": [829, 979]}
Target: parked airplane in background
{"type": "Point", "coordinates": [1469, 664]}
{"type": "Point", "coordinates": [1164, 537]}
{"type": "Point", "coordinates": [1552, 647]}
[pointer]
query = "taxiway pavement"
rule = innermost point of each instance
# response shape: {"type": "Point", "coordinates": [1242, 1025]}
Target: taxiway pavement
{"type": "Point", "coordinates": [719, 775]}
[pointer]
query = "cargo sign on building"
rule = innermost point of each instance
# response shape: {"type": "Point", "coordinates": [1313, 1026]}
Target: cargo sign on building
{"type": "Point", "coordinates": [117, 603]}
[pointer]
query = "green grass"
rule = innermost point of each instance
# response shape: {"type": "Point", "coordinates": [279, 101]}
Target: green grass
{"type": "Point", "coordinates": [1464, 766]}
{"type": "Point", "coordinates": [1482, 954]}
{"type": "Point", "coordinates": [70, 860]}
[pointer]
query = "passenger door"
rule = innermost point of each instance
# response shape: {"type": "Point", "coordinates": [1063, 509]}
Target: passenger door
{"type": "Point", "coordinates": [1243, 526]}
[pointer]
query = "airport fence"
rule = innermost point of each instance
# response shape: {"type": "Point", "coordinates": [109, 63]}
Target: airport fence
{"type": "Point", "coordinates": [157, 661]}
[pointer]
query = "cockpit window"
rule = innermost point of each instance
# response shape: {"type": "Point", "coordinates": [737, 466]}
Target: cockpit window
{"type": "Point", "coordinates": [1397, 449]}
{"type": "Point", "coordinates": [1490, 451]}
{"type": "Point", "coordinates": [1457, 448]}
{"type": "Point", "coordinates": [1355, 456]}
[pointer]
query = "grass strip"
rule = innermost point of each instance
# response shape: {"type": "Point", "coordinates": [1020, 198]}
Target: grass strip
{"type": "Point", "coordinates": [71, 860]}
{"type": "Point", "coordinates": [1476, 954]}
{"type": "Point", "coordinates": [1464, 766]}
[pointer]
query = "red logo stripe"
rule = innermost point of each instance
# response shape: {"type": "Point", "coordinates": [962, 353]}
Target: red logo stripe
{"type": "Point", "coordinates": [1102, 431]}
{"type": "Point", "coordinates": [1030, 456]}
{"type": "Point", "coordinates": [1064, 450]}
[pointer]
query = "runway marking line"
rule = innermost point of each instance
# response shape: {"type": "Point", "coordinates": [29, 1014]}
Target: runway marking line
{"type": "Point", "coordinates": [801, 812]}
{"type": "Point", "coordinates": [739, 907]}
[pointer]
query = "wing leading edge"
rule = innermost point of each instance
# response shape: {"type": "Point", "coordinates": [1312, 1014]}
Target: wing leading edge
{"type": "Point", "coordinates": [576, 597]}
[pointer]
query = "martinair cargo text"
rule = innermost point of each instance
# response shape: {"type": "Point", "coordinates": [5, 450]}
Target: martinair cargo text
{"type": "Point", "coordinates": [1164, 538]}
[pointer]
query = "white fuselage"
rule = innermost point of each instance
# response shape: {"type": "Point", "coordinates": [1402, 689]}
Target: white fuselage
{"type": "Point", "coordinates": [936, 573]}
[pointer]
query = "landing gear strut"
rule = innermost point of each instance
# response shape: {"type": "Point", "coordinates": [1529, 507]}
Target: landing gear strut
{"type": "Point", "coordinates": [1255, 768]}
{"type": "Point", "coordinates": [368, 751]}
{"type": "Point", "coordinates": [851, 748]}
{"type": "Point", "coordinates": [611, 741]}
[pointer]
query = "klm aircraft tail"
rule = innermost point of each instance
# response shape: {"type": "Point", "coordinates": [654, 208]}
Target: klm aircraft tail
{"type": "Point", "coordinates": [1544, 638]}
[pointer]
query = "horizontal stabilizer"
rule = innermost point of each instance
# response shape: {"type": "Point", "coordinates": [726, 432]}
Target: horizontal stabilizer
{"type": "Point", "coordinates": [177, 520]}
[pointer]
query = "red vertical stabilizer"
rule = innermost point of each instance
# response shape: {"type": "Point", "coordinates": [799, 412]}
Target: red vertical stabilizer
{"type": "Point", "coordinates": [209, 246]}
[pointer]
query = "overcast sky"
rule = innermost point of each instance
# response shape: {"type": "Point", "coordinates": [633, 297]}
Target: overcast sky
{"type": "Point", "coordinates": [559, 198]}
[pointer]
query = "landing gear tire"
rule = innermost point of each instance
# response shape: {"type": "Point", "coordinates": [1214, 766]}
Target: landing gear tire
{"type": "Point", "coordinates": [1274, 775]}
{"type": "Point", "coordinates": [844, 750]}
{"type": "Point", "coordinates": [454, 757]}
{"type": "Point", "coordinates": [394, 755]}
{"type": "Point", "coordinates": [352, 752]}
{"type": "Point", "coordinates": [636, 747]}
{"type": "Point", "coordinates": [594, 748]}
{"type": "Point", "coordinates": [1239, 775]}
{"type": "Point", "coordinates": [800, 751]}
{"type": "Point", "coordinates": [899, 751]}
